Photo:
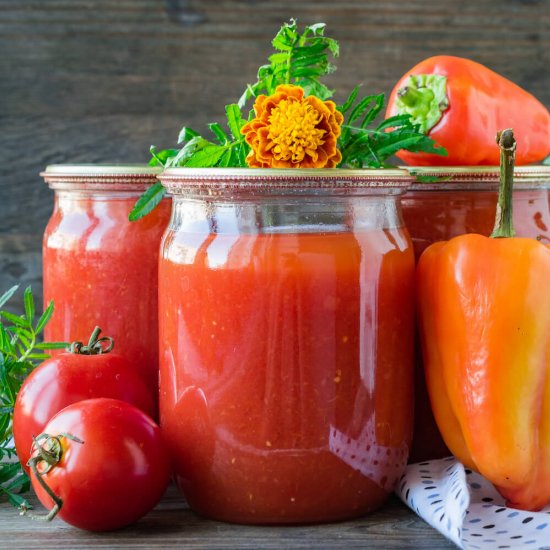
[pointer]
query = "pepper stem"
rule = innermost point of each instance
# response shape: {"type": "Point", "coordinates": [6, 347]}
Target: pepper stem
{"type": "Point", "coordinates": [504, 225]}
{"type": "Point", "coordinates": [95, 345]}
{"type": "Point", "coordinates": [424, 98]}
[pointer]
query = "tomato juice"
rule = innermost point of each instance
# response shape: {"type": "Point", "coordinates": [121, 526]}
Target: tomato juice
{"type": "Point", "coordinates": [286, 370]}
{"type": "Point", "coordinates": [100, 269]}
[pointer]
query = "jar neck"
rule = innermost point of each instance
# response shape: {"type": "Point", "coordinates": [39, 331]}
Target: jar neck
{"type": "Point", "coordinates": [272, 215]}
{"type": "Point", "coordinates": [67, 198]}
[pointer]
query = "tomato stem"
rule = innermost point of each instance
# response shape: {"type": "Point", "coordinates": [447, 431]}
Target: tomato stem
{"type": "Point", "coordinates": [50, 452]}
{"type": "Point", "coordinates": [504, 225]}
{"type": "Point", "coordinates": [95, 345]}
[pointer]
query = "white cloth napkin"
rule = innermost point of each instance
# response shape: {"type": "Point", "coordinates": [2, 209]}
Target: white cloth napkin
{"type": "Point", "coordinates": [467, 509]}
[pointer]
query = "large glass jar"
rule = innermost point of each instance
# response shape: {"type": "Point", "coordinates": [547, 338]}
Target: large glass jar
{"type": "Point", "coordinates": [100, 268]}
{"type": "Point", "coordinates": [446, 202]}
{"type": "Point", "coordinates": [286, 334]}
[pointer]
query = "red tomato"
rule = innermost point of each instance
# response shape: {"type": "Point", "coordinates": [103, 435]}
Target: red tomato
{"type": "Point", "coordinates": [69, 378]}
{"type": "Point", "coordinates": [116, 473]}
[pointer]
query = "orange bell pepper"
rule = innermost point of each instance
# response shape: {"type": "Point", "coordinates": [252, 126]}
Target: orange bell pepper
{"type": "Point", "coordinates": [484, 315]}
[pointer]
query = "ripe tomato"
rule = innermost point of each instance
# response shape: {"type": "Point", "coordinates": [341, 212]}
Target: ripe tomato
{"type": "Point", "coordinates": [114, 474]}
{"type": "Point", "coordinates": [68, 378]}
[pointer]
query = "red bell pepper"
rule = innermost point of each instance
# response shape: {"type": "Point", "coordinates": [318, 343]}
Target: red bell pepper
{"type": "Point", "coordinates": [461, 105]}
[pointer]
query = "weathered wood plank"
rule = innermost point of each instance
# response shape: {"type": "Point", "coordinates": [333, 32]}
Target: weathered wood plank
{"type": "Point", "coordinates": [99, 81]}
{"type": "Point", "coordinates": [173, 525]}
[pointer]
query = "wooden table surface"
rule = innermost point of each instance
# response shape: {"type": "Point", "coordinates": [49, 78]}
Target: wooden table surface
{"type": "Point", "coordinates": [171, 524]}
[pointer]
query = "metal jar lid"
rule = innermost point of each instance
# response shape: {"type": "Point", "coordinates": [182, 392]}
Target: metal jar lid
{"type": "Point", "coordinates": [99, 177]}
{"type": "Point", "coordinates": [267, 181]}
{"type": "Point", "coordinates": [476, 178]}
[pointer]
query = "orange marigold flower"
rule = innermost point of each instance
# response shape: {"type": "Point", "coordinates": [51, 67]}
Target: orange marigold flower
{"type": "Point", "coordinates": [293, 131]}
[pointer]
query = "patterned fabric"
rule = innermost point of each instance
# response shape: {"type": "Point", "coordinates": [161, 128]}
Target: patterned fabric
{"type": "Point", "coordinates": [467, 509]}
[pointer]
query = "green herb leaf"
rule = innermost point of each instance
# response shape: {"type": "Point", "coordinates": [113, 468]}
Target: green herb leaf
{"type": "Point", "coordinates": [44, 318]}
{"type": "Point", "coordinates": [52, 345]}
{"type": "Point", "coordinates": [194, 145]}
{"type": "Point", "coordinates": [422, 178]}
{"type": "Point", "coordinates": [345, 107]}
{"type": "Point", "coordinates": [18, 501]}
{"type": "Point", "coordinates": [19, 355]}
{"type": "Point", "coordinates": [235, 120]}
{"type": "Point", "coordinates": [219, 132]}
{"type": "Point", "coordinates": [161, 157]}
{"type": "Point", "coordinates": [186, 134]}
{"type": "Point", "coordinates": [302, 59]}
{"type": "Point", "coordinates": [8, 470]}
{"type": "Point", "coordinates": [147, 202]}
{"type": "Point", "coordinates": [206, 157]}
{"type": "Point", "coordinates": [363, 146]}
{"type": "Point", "coordinates": [7, 295]}
{"type": "Point", "coordinates": [29, 304]}
{"type": "Point", "coordinates": [15, 319]}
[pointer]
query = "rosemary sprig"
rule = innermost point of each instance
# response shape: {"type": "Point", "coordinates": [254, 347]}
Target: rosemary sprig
{"type": "Point", "coordinates": [20, 352]}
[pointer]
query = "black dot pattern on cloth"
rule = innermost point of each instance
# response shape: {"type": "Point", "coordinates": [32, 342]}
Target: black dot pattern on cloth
{"type": "Point", "coordinates": [468, 510]}
{"type": "Point", "coordinates": [382, 465]}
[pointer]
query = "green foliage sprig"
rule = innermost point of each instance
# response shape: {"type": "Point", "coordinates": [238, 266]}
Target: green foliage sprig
{"type": "Point", "coordinates": [301, 59]}
{"type": "Point", "coordinates": [363, 146]}
{"type": "Point", "coordinates": [20, 352]}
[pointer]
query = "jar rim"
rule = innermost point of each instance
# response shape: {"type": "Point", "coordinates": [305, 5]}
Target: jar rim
{"type": "Point", "coordinates": [433, 178]}
{"type": "Point", "coordinates": [268, 180]}
{"type": "Point", "coordinates": [101, 169]}
{"type": "Point", "coordinates": [100, 177]}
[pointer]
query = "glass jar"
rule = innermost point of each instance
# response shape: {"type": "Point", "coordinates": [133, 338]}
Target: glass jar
{"type": "Point", "coordinates": [99, 268]}
{"type": "Point", "coordinates": [286, 334]}
{"type": "Point", "coordinates": [447, 202]}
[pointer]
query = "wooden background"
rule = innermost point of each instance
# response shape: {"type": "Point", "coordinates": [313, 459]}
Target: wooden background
{"type": "Point", "coordinates": [101, 80]}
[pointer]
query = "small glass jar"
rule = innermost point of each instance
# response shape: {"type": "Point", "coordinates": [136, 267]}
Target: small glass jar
{"type": "Point", "coordinates": [286, 334]}
{"type": "Point", "coordinates": [445, 202]}
{"type": "Point", "coordinates": [99, 268]}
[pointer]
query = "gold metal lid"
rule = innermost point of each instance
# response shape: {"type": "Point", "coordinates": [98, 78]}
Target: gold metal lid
{"type": "Point", "coordinates": [267, 181]}
{"type": "Point", "coordinates": [448, 178]}
{"type": "Point", "coordinates": [101, 177]}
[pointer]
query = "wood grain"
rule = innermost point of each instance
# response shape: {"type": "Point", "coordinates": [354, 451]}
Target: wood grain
{"type": "Point", "coordinates": [101, 80]}
{"type": "Point", "coordinates": [173, 525]}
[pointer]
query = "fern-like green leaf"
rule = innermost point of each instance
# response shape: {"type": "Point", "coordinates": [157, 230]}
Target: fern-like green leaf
{"type": "Point", "coordinates": [301, 59]}
{"type": "Point", "coordinates": [365, 147]}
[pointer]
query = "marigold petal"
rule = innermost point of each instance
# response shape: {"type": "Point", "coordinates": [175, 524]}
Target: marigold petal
{"type": "Point", "coordinates": [292, 131]}
{"type": "Point", "coordinates": [290, 90]}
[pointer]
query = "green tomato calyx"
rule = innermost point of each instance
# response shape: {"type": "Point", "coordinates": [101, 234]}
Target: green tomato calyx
{"type": "Point", "coordinates": [95, 346]}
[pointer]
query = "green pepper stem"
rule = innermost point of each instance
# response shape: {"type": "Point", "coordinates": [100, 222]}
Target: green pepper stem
{"type": "Point", "coordinates": [414, 97]}
{"type": "Point", "coordinates": [424, 98]}
{"type": "Point", "coordinates": [504, 225]}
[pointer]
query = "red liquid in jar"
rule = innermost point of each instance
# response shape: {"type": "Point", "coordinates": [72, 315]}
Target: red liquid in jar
{"type": "Point", "coordinates": [286, 371]}
{"type": "Point", "coordinates": [100, 269]}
